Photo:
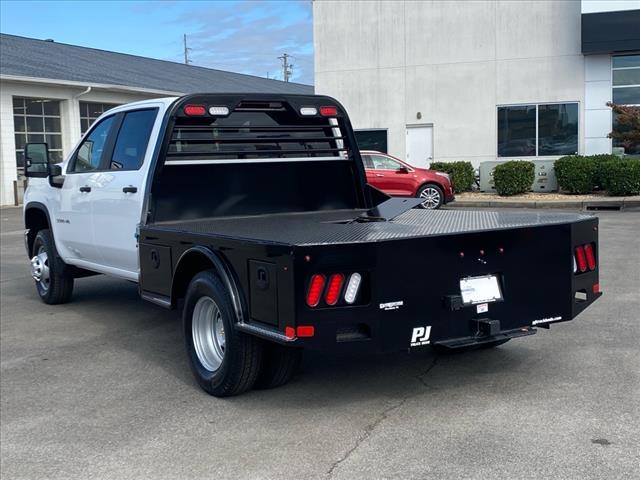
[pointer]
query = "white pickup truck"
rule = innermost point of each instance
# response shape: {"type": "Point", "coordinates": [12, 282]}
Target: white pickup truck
{"type": "Point", "coordinates": [251, 213]}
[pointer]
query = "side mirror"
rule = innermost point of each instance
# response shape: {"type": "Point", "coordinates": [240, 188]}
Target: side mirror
{"type": "Point", "coordinates": [36, 160]}
{"type": "Point", "coordinates": [402, 169]}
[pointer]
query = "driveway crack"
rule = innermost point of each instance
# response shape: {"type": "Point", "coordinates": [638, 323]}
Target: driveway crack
{"type": "Point", "coordinates": [369, 428]}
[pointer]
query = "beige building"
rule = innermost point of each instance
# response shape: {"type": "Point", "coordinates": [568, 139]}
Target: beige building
{"type": "Point", "coordinates": [479, 80]}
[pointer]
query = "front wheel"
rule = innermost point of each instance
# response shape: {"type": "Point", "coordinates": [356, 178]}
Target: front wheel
{"type": "Point", "coordinates": [53, 283]}
{"type": "Point", "coordinates": [224, 360]}
{"type": "Point", "coordinates": [432, 196]}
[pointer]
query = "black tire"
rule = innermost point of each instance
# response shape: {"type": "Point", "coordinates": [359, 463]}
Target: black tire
{"type": "Point", "coordinates": [242, 353]}
{"type": "Point", "coordinates": [56, 284]}
{"type": "Point", "coordinates": [470, 348]}
{"type": "Point", "coordinates": [279, 365]}
{"type": "Point", "coordinates": [435, 196]}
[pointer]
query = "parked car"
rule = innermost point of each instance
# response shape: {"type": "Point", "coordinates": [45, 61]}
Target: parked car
{"type": "Point", "coordinates": [399, 179]}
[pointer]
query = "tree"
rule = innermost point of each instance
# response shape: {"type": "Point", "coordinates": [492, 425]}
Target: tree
{"type": "Point", "coordinates": [626, 131]}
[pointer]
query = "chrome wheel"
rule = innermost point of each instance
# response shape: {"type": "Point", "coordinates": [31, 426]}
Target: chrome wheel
{"type": "Point", "coordinates": [207, 330]}
{"type": "Point", "coordinates": [431, 197]}
{"type": "Point", "coordinates": [40, 269]}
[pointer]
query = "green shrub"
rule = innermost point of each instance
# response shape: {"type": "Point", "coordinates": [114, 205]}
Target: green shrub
{"type": "Point", "coordinates": [600, 162]}
{"type": "Point", "coordinates": [622, 176]}
{"type": "Point", "coordinates": [513, 178]}
{"type": "Point", "coordinates": [576, 173]}
{"type": "Point", "coordinates": [462, 174]}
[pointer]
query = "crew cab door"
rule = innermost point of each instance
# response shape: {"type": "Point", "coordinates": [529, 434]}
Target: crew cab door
{"type": "Point", "coordinates": [117, 201]}
{"type": "Point", "coordinates": [73, 220]}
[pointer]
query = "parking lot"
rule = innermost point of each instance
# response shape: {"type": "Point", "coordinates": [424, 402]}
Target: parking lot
{"type": "Point", "coordinates": [101, 388]}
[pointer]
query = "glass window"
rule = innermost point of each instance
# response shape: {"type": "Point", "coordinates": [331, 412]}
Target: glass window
{"type": "Point", "coordinates": [538, 130]}
{"type": "Point", "coordinates": [372, 140]}
{"type": "Point", "coordinates": [133, 138]}
{"type": "Point", "coordinates": [626, 80]}
{"type": "Point", "coordinates": [384, 163]}
{"type": "Point", "coordinates": [558, 129]}
{"type": "Point", "coordinates": [90, 152]}
{"type": "Point", "coordinates": [90, 111]}
{"type": "Point", "coordinates": [37, 120]}
{"type": "Point", "coordinates": [517, 131]}
{"type": "Point", "coordinates": [366, 159]}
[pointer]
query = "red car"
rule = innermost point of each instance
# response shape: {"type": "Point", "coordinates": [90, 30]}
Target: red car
{"type": "Point", "coordinates": [399, 179]}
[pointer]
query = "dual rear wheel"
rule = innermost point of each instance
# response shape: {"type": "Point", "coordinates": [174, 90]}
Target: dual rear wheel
{"type": "Point", "coordinates": [226, 361]}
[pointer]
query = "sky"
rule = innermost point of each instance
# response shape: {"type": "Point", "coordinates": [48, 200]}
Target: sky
{"type": "Point", "coordinates": [243, 36]}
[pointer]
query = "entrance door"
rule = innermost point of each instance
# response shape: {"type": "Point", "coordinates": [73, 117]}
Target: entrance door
{"type": "Point", "coordinates": [419, 145]}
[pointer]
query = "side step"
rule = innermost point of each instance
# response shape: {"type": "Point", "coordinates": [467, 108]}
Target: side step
{"type": "Point", "coordinates": [469, 341]}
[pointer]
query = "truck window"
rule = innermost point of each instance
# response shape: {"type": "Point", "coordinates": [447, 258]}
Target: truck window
{"type": "Point", "coordinates": [133, 138]}
{"type": "Point", "coordinates": [90, 152]}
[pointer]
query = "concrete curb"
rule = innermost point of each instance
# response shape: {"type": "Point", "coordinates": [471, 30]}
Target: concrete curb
{"type": "Point", "coordinates": [594, 204]}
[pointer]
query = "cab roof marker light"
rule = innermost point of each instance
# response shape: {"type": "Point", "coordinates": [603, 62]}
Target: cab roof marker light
{"type": "Point", "coordinates": [328, 111]}
{"type": "Point", "coordinates": [352, 288]}
{"type": "Point", "coordinates": [219, 111]}
{"type": "Point", "coordinates": [308, 111]}
{"type": "Point", "coordinates": [194, 110]}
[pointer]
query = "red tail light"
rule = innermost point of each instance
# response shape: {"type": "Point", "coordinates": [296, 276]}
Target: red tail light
{"type": "Point", "coordinates": [591, 256]}
{"type": "Point", "coordinates": [581, 260]}
{"type": "Point", "coordinates": [316, 286]}
{"type": "Point", "coordinates": [328, 111]}
{"type": "Point", "coordinates": [195, 110]}
{"type": "Point", "coordinates": [335, 287]}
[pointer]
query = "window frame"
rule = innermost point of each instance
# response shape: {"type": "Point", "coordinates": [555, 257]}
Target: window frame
{"type": "Point", "coordinates": [110, 143]}
{"type": "Point", "coordinates": [537, 105]}
{"type": "Point", "coordinates": [116, 133]}
{"type": "Point", "coordinates": [620, 87]}
{"type": "Point", "coordinates": [386, 133]}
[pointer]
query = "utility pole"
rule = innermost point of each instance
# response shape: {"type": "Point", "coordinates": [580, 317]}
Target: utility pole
{"type": "Point", "coordinates": [186, 50]}
{"type": "Point", "coordinates": [287, 68]}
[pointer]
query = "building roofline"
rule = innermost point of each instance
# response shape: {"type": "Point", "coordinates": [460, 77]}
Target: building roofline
{"type": "Point", "coordinates": [73, 83]}
{"type": "Point", "coordinates": [151, 58]}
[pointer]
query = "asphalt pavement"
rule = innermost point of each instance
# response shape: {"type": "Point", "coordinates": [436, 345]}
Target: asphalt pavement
{"type": "Point", "coordinates": [100, 388]}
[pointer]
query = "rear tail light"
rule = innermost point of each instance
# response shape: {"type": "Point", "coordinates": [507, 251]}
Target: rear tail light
{"type": "Point", "coordinates": [584, 258]}
{"type": "Point", "coordinates": [316, 286]}
{"type": "Point", "coordinates": [581, 259]}
{"type": "Point", "coordinates": [352, 288]}
{"type": "Point", "coordinates": [333, 290]}
{"type": "Point", "coordinates": [591, 256]}
{"type": "Point", "coordinates": [195, 110]}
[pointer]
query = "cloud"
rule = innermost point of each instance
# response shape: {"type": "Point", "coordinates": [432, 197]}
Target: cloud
{"type": "Point", "coordinates": [248, 36]}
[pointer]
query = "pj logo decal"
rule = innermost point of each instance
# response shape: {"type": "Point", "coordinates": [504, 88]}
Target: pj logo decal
{"type": "Point", "coordinates": [420, 336]}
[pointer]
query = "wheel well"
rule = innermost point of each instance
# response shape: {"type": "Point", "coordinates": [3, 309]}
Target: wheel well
{"type": "Point", "coordinates": [430, 182]}
{"type": "Point", "coordinates": [35, 220]}
{"type": "Point", "coordinates": [189, 265]}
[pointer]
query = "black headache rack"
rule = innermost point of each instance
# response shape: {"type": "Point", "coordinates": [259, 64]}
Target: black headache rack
{"type": "Point", "coordinates": [252, 154]}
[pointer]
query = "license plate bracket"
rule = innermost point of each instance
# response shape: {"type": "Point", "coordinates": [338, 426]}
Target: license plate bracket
{"type": "Point", "coordinates": [481, 289]}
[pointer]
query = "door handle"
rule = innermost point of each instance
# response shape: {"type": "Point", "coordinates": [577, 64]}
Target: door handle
{"type": "Point", "coordinates": [130, 189]}
{"type": "Point", "coordinates": [85, 189]}
{"type": "Point", "coordinates": [379, 175]}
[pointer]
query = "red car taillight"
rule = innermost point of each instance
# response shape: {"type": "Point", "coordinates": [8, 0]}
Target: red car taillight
{"type": "Point", "coordinates": [316, 286]}
{"type": "Point", "coordinates": [333, 290]}
{"type": "Point", "coordinates": [581, 260]}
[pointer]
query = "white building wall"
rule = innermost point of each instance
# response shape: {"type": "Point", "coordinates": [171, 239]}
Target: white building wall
{"type": "Point", "coordinates": [453, 62]}
{"type": "Point", "coordinates": [70, 120]}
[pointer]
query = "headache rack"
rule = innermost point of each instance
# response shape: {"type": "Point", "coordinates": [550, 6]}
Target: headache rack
{"type": "Point", "coordinates": [256, 131]}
